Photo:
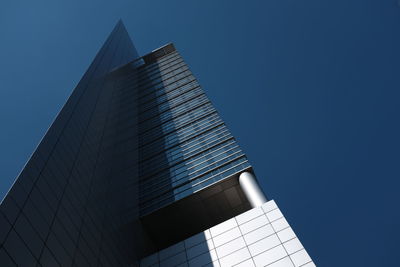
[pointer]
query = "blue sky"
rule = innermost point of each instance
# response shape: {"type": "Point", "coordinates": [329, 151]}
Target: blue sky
{"type": "Point", "coordinates": [309, 88]}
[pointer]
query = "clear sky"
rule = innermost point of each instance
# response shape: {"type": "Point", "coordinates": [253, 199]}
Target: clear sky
{"type": "Point", "coordinates": [310, 88]}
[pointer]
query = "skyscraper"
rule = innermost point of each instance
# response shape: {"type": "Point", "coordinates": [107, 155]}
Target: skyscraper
{"type": "Point", "coordinates": [138, 169]}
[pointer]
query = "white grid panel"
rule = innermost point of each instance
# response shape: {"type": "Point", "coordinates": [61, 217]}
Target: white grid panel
{"type": "Point", "coordinates": [258, 237]}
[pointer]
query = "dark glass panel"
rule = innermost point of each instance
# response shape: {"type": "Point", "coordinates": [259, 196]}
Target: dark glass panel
{"type": "Point", "coordinates": [18, 251]}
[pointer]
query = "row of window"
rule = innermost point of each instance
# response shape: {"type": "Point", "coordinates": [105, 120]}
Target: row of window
{"type": "Point", "coordinates": [186, 132]}
{"type": "Point", "coordinates": [180, 169]}
{"type": "Point", "coordinates": [130, 95]}
{"type": "Point", "coordinates": [191, 130]}
{"type": "Point", "coordinates": [198, 162]}
{"type": "Point", "coordinates": [176, 117]}
{"type": "Point", "coordinates": [161, 78]}
{"type": "Point", "coordinates": [152, 132]}
{"type": "Point", "coordinates": [183, 184]}
{"type": "Point", "coordinates": [179, 80]}
{"type": "Point", "coordinates": [185, 161]}
{"type": "Point", "coordinates": [159, 69]}
{"type": "Point", "coordinates": [187, 146]}
{"type": "Point", "coordinates": [224, 172]}
{"type": "Point", "coordinates": [158, 147]}
{"type": "Point", "coordinates": [160, 105]}
{"type": "Point", "coordinates": [127, 85]}
{"type": "Point", "coordinates": [166, 88]}
{"type": "Point", "coordinates": [169, 118]}
{"type": "Point", "coordinates": [169, 140]}
{"type": "Point", "coordinates": [166, 94]}
{"type": "Point", "coordinates": [197, 184]}
{"type": "Point", "coordinates": [158, 83]}
{"type": "Point", "coordinates": [164, 74]}
{"type": "Point", "coordinates": [162, 61]}
{"type": "Point", "coordinates": [180, 173]}
{"type": "Point", "coordinates": [173, 110]}
{"type": "Point", "coordinates": [191, 167]}
{"type": "Point", "coordinates": [159, 62]}
{"type": "Point", "coordinates": [125, 102]}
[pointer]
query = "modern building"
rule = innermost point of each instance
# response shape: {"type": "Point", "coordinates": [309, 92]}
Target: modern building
{"type": "Point", "coordinates": [138, 169]}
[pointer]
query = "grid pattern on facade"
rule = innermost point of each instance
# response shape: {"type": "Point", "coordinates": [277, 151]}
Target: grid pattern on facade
{"type": "Point", "coordinates": [61, 209]}
{"type": "Point", "coordinates": [184, 146]}
{"type": "Point", "coordinates": [258, 237]}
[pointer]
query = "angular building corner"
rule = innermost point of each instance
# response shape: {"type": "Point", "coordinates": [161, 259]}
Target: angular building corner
{"type": "Point", "coordinates": [138, 169]}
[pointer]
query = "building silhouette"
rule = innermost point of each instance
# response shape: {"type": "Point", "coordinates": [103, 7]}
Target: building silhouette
{"type": "Point", "coordinates": [138, 169]}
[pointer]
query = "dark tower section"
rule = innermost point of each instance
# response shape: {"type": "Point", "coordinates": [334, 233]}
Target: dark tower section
{"type": "Point", "coordinates": [61, 208]}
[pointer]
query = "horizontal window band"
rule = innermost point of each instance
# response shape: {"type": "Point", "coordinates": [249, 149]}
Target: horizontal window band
{"type": "Point", "coordinates": [139, 77]}
{"type": "Point", "coordinates": [149, 177]}
{"type": "Point", "coordinates": [126, 127]}
{"type": "Point", "coordinates": [160, 62]}
{"type": "Point", "coordinates": [153, 184]}
{"type": "Point", "coordinates": [165, 75]}
{"type": "Point", "coordinates": [206, 102]}
{"type": "Point", "coordinates": [176, 117]}
{"type": "Point", "coordinates": [126, 104]}
{"type": "Point", "coordinates": [192, 141]}
{"type": "Point", "coordinates": [169, 80]}
{"type": "Point", "coordinates": [168, 92]}
{"type": "Point", "coordinates": [132, 96]}
{"type": "Point", "coordinates": [190, 78]}
{"type": "Point", "coordinates": [155, 204]}
{"type": "Point", "coordinates": [183, 129]}
{"type": "Point", "coordinates": [171, 109]}
{"type": "Point", "coordinates": [146, 90]}
{"type": "Point", "coordinates": [191, 138]}
{"type": "Point", "coordinates": [184, 136]}
{"type": "Point", "coordinates": [146, 67]}
{"type": "Point", "coordinates": [168, 100]}
{"type": "Point", "coordinates": [145, 75]}
{"type": "Point", "coordinates": [167, 189]}
{"type": "Point", "coordinates": [143, 204]}
{"type": "Point", "coordinates": [168, 167]}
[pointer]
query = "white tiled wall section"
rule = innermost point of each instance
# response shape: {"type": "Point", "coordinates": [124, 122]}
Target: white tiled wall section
{"type": "Point", "coordinates": [258, 237]}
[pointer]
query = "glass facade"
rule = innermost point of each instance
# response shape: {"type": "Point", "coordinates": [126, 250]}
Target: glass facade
{"type": "Point", "coordinates": [137, 145]}
{"type": "Point", "coordinates": [184, 146]}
